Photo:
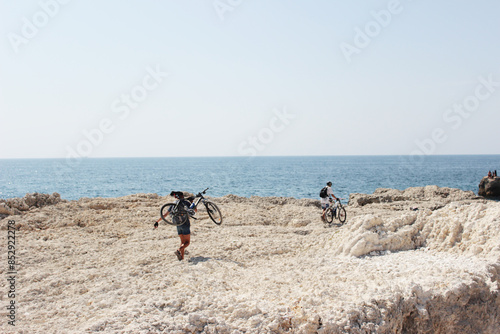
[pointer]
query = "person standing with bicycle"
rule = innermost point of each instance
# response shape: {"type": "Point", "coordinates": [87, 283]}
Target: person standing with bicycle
{"type": "Point", "coordinates": [326, 194]}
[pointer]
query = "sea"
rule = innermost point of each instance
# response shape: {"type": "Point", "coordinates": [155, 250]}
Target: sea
{"type": "Point", "coordinates": [298, 177]}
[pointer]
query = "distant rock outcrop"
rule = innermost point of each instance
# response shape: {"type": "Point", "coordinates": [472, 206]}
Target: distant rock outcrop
{"type": "Point", "coordinates": [433, 195]}
{"type": "Point", "coordinates": [489, 187]}
{"type": "Point", "coordinates": [14, 206]}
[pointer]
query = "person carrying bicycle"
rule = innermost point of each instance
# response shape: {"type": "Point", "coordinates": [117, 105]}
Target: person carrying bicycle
{"type": "Point", "coordinates": [184, 230]}
{"type": "Point", "coordinates": [326, 194]}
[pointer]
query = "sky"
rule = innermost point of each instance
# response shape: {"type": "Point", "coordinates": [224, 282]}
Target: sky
{"type": "Point", "coordinates": [248, 78]}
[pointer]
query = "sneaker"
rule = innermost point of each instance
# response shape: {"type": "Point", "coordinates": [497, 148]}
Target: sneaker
{"type": "Point", "coordinates": [179, 256]}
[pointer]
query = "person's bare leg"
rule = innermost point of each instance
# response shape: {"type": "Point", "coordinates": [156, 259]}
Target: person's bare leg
{"type": "Point", "coordinates": [185, 241]}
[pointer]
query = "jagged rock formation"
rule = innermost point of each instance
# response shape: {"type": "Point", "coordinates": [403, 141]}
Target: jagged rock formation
{"type": "Point", "coordinates": [431, 197]}
{"type": "Point", "coordinates": [14, 206]}
{"type": "Point", "coordinates": [489, 187]}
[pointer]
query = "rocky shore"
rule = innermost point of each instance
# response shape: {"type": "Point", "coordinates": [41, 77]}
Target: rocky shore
{"type": "Point", "coordinates": [422, 260]}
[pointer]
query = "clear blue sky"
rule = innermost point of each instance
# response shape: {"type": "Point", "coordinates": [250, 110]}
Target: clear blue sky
{"type": "Point", "coordinates": [248, 77]}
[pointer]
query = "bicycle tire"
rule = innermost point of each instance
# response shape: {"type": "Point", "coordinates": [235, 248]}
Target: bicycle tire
{"type": "Point", "coordinates": [213, 212]}
{"type": "Point", "coordinates": [172, 215]}
{"type": "Point", "coordinates": [329, 215]}
{"type": "Point", "coordinates": [341, 214]}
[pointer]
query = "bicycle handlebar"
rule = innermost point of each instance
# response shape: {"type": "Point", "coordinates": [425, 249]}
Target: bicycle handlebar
{"type": "Point", "coordinates": [202, 192]}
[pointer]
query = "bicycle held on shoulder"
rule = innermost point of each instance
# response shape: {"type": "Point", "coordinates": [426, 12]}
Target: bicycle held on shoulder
{"type": "Point", "coordinates": [336, 211]}
{"type": "Point", "coordinates": [179, 212]}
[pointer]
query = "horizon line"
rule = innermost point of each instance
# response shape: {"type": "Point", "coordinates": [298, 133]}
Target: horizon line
{"type": "Point", "coordinates": [258, 156]}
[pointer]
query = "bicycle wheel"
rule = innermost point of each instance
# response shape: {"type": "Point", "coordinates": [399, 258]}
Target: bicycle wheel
{"type": "Point", "coordinates": [329, 215]}
{"type": "Point", "coordinates": [341, 214]}
{"type": "Point", "coordinates": [173, 215]}
{"type": "Point", "coordinates": [214, 212]}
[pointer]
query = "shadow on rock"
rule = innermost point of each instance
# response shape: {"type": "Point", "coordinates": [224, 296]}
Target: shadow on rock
{"type": "Point", "coordinates": [199, 259]}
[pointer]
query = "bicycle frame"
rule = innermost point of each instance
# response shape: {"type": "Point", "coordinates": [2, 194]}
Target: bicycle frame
{"type": "Point", "coordinates": [198, 198]}
{"type": "Point", "coordinates": [197, 201]}
{"type": "Point", "coordinates": [335, 204]}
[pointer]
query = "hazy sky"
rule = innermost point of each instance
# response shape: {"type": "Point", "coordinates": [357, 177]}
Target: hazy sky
{"type": "Point", "coordinates": [248, 77]}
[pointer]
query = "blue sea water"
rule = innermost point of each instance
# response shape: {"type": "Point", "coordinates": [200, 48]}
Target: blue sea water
{"type": "Point", "coordinates": [299, 177]}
